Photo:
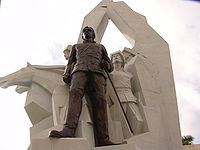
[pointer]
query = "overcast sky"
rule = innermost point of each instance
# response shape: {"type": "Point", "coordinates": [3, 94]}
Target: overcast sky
{"type": "Point", "coordinates": [38, 30]}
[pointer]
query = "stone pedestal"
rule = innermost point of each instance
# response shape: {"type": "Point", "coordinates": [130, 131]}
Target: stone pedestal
{"type": "Point", "coordinates": [73, 144]}
{"type": "Point", "coordinates": [59, 144]}
{"type": "Point", "coordinates": [118, 147]}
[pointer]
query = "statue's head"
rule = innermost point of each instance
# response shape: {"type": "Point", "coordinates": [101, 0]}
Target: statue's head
{"type": "Point", "coordinates": [129, 54]}
{"type": "Point", "coordinates": [88, 33]}
{"type": "Point", "coordinates": [67, 51]}
{"type": "Point", "coordinates": [117, 58]}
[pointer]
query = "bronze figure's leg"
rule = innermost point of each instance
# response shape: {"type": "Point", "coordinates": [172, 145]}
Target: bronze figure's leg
{"type": "Point", "coordinates": [99, 106]}
{"type": "Point", "coordinates": [79, 80]}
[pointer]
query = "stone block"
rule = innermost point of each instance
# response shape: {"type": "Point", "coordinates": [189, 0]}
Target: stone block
{"type": "Point", "coordinates": [41, 144]}
{"type": "Point", "coordinates": [59, 144]}
{"type": "Point", "coordinates": [70, 144]}
{"type": "Point", "coordinates": [135, 119]}
{"type": "Point", "coordinates": [115, 132]}
{"type": "Point", "coordinates": [85, 130]}
{"type": "Point", "coordinates": [45, 133]}
{"type": "Point", "coordinates": [191, 147]}
{"type": "Point", "coordinates": [38, 101]}
{"type": "Point", "coordinates": [41, 126]}
{"type": "Point", "coordinates": [60, 99]}
{"type": "Point", "coordinates": [114, 129]}
{"type": "Point", "coordinates": [130, 146]}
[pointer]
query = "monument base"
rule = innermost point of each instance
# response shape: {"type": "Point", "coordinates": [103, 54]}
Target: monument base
{"type": "Point", "coordinates": [60, 144]}
{"type": "Point", "coordinates": [118, 147]}
{"type": "Point", "coordinates": [73, 144]}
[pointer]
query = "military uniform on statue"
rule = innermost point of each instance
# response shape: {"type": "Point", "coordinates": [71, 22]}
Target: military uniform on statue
{"type": "Point", "coordinates": [85, 71]}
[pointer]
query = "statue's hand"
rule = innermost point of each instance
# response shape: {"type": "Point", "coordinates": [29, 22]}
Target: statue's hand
{"type": "Point", "coordinates": [106, 66]}
{"type": "Point", "coordinates": [66, 78]}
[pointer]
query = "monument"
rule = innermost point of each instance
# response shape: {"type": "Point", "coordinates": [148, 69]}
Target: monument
{"type": "Point", "coordinates": [85, 72]}
{"type": "Point", "coordinates": [141, 106]}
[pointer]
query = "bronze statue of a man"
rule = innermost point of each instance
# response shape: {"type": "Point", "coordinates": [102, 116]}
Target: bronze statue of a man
{"type": "Point", "coordinates": [85, 70]}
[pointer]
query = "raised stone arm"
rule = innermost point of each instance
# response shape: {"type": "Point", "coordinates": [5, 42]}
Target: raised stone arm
{"type": "Point", "coordinates": [21, 89]}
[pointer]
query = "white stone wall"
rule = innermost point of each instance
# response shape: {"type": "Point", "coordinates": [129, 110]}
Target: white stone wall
{"type": "Point", "coordinates": [192, 147]}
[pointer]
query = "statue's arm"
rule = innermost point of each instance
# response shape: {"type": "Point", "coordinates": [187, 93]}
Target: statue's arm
{"type": "Point", "coordinates": [69, 67]}
{"type": "Point", "coordinates": [107, 65]}
{"type": "Point", "coordinates": [71, 61]}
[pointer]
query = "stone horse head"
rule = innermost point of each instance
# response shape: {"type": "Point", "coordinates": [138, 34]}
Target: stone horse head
{"type": "Point", "coordinates": [39, 81]}
{"type": "Point", "coordinates": [22, 77]}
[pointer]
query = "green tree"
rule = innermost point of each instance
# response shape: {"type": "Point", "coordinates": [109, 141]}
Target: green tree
{"type": "Point", "coordinates": [187, 140]}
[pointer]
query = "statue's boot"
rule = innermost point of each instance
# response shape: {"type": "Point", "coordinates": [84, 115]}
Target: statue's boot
{"type": "Point", "coordinates": [65, 132]}
{"type": "Point", "coordinates": [106, 142]}
{"type": "Point", "coordinates": [74, 110]}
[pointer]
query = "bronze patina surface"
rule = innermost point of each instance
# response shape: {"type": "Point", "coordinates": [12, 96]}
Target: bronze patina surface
{"type": "Point", "coordinates": [85, 72]}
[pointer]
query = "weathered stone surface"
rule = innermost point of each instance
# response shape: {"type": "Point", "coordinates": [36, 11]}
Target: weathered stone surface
{"type": "Point", "coordinates": [118, 147]}
{"type": "Point", "coordinates": [191, 147]}
{"type": "Point", "coordinates": [36, 104]}
{"type": "Point", "coordinates": [59, 144]}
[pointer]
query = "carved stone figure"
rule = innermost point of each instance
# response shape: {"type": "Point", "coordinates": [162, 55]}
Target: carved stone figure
{"type": "Point", "coordinates": [85, 69]}
{"type": "Point", "coordinates": [38, 103]}
{"type": "Point", "coordinates": [67, 51]}
{"type": "Point", "coordinates": [122, 84]}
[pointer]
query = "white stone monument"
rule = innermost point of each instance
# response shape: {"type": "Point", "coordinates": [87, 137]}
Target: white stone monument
{"type": "Point", "coordinates": [150, 121]}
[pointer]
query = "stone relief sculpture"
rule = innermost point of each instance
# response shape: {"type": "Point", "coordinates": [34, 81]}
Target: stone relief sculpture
{"type": "Point", "coordinates": [67, 51]}
{"type": "Point", "coordinates": [39, 88]}
{"type": "Point", "coordinates": [148, 91]}
{"type": "Point", "coordinates": [122, 83]}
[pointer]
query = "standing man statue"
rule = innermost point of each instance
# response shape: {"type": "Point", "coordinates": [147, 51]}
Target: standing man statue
{"type": "Point", "coordinates": [122, 81]}
{"type": "Point", "coordinates": [85, 72]}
